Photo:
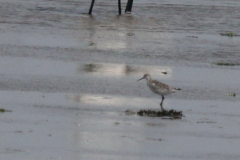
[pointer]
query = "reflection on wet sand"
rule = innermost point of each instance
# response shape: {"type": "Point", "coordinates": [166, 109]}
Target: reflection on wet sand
{"type": "Point", "coordinates": [91, 67]}
{"type": "Point", "coordinates": [130, 69]}
{"type": "Point", "coordinates": [106, 36]}
{"type": "Point", "coordinates": [99, 99]}
{"type": "Point", "coordinates": [113, 101]}
{"type": "Point", "coordinates": [122, 69]}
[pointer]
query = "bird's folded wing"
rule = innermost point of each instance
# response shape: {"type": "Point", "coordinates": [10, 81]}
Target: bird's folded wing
{"type": "Point", "coordinates": [159, 85]}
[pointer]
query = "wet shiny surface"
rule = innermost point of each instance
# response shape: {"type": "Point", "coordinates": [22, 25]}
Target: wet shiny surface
{"type": "Point", "coordinates": [68, 79]}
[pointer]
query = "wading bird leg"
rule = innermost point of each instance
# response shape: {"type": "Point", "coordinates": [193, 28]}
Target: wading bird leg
{"type": "Point", "coordinates": [129, 6]}
{"type": "Point", "coordinates": [91, 7]}
{"type": "Point", "coordinates": [119, 7]}
{"type": "Point", "coordinates": [161, 104]}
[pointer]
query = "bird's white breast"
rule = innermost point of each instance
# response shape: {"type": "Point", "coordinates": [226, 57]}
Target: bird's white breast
{"type": "Point", "coordinates": [157, 89]}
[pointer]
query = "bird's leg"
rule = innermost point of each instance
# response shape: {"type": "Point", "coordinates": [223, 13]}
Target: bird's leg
{"type": "Point", "coordinates": [91, 7]}
{"type": "Point", "coordinates": [119, 7]}
{"type": "Point", "coordinates": [161, 104]}
{"type": "Point", "coordinates": [129, 6]}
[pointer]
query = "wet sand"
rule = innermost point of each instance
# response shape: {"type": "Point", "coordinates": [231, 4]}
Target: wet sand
{"type": "Point", "coordinates": [68, 79]}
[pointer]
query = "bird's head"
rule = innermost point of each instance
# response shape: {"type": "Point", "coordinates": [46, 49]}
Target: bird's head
{"type": "Point", "coordinates": [145, 76]}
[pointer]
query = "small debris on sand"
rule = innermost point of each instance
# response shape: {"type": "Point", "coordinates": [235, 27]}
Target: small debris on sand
{"type": "Point", "coordinates": [4, 110]}
{"type": "Point", "coordinates": [129, 112]}
{"type": "Point", "coordinates": [229, 34]}
{"type": "Point", "coordinates": [151, 113]}
{"type": "Point", "coordinates": [232, 94]}
{"type": "Point", "coordinates": [173, 114]}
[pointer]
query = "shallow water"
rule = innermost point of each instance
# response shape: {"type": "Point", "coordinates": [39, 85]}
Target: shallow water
{"type": "Point", "coordinates": [68, 79]}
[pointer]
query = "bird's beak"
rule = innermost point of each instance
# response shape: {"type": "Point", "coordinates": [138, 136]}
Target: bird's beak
{"type": "Point", "coordinates": [140, 79]}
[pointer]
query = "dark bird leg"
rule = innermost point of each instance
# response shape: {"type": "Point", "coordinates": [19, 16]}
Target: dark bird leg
{"type": "Point", "coordinates": [119, 7]}
{"type": "Point", "coordinates": [161, 104]}
{"type": "Point", "coordinates": [129, 6]}
{"type": "Point", "coordinates": [91, 7]}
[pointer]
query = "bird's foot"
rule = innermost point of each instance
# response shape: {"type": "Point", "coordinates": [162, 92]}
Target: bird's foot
{"type": "Point", "coordinates": [164, 111]}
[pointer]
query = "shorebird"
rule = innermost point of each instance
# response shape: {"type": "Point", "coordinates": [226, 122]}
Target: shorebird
{"type": "Point", "coordinates": [158, 88]}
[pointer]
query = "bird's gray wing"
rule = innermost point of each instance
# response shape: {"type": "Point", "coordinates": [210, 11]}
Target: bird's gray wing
{"type": "Point", "coordinates": [159, 86]}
